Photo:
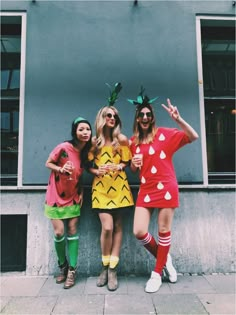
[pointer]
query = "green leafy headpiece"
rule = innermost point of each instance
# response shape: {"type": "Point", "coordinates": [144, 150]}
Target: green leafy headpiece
{"type": "Point", "coordinates": [114, 93]}
{"type": "Point", "coordinates": [142, 100]}
{"type": "Point", "coordinates": [79, 119]}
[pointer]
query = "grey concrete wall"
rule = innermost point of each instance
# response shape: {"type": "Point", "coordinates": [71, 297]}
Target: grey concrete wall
{"type": "Point", "coordinates": [203, 234]}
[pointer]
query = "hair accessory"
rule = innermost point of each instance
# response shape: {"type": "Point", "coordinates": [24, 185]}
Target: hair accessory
{"type": "Point", "coordinates": [114, 93]}
{"type": "Point", "coordinates": [78, 119]}
{"type": "Point", "coordinates": [142, 100]}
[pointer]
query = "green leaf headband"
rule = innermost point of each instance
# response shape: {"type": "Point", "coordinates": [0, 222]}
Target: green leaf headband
{"type": "Point", "coordinates": [142, 100]}
{"type": "Point", "coordinates": [79, 119]}
{"type": "Point", "coordinates": [114, 93]}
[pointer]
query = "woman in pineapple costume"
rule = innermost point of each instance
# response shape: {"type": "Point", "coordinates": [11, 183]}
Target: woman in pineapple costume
{"type": "Point", "coordinates": [111, 194]}
{"type": "Point", "coordinates": [64, 196]}
{"type": "Point", "coordinates": [152, 149]}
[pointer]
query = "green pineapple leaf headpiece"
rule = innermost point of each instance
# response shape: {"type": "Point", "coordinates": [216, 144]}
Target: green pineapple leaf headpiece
{"type": "Point", "coordinates": [142, 100]}
{"type": "Point", "coordinates": [114, 93]}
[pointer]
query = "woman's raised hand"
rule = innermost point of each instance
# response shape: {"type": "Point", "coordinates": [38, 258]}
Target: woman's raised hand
{"type": "Point", "coordinates": [172, 110]}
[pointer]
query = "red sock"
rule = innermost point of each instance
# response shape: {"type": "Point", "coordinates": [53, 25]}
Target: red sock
{"type": "Point", "coordinates": [164, 241]}
{"type": "Point", "coordinates": [149, 242]}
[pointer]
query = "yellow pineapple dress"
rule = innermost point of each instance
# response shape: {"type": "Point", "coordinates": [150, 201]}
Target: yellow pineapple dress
{"type": "Point", "coordinates": [112, 190]}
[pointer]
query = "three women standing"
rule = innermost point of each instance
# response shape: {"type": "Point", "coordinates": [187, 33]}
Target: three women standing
{"type": "Point", "coordinates": [152, 150]}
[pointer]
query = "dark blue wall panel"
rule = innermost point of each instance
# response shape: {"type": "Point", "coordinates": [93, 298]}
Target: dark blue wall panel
{"type": "Point", "coordinates": [74, 47]}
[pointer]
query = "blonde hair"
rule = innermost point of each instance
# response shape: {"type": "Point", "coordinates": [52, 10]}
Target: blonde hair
{"type": "Point", "coordinates": [137, 130]}
{"type": "Point", "coordinates": [100, 123]}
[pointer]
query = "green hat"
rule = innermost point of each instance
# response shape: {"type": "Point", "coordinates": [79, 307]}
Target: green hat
{"type": "Point", "coordinates": [79, 119]}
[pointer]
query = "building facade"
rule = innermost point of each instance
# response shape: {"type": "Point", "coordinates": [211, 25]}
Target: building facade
{"type": "Point", "coordinates": [56, 57]}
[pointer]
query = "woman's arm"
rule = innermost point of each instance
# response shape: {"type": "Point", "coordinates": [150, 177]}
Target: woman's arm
{"type": "Point", "coordinates": [190, 132]}
{"type": "Point", "coordinates": [53, 167]}
{"type": "Point", "coordinates": [174, 114]}
{"type": "Point", "coordinates": [123, 141]}
{"type": "Point", "coordinates": [66, 168]}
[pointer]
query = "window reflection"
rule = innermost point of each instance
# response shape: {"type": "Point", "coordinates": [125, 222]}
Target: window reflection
{"type": "Point", "coordinates": [10, 90]}
{"type": "Point", "coordinates": [220, 130]}
{"type": "Point", "coordinates": [218, 55]}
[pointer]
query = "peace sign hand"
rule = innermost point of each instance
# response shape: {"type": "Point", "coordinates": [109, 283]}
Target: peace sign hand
{"type": "Point", "coordinates": [172, 110]}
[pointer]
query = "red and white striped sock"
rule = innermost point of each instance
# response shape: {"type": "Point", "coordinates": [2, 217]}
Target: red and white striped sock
{"type": "Point", "coordinates": [164, 241]}
{"type": "Point", "coordinates": [149, 242]}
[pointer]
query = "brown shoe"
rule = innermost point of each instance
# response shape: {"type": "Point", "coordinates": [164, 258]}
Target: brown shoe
{"type": "Point", "coordinates": [70, 280]}
{"type": "Point", "coordinates": [112, 279]}
{"type": "Point", "coordinates": [63, 273]}
{"type": "Point", "coordinates": [103, 277]}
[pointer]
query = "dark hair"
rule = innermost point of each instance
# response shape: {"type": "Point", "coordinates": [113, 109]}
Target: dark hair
{"type": "Point", "coordinates": [74, 141]}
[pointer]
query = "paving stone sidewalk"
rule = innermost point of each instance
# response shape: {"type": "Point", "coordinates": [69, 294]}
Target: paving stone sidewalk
{"type": "Point", "coordinates": [206, 294]}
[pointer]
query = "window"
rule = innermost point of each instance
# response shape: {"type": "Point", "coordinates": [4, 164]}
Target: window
{"type": "Point", "coordinates": [218, 72]}
{"type": "Point", "coordinates": [11, 91]}
{"type": "Point", "coordinates": [13, 242]}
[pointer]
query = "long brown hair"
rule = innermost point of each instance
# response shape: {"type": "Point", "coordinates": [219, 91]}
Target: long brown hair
{"type": "Point", "coordinates": [137, 130]}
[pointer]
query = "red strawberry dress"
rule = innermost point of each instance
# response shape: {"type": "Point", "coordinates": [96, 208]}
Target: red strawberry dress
{"type": "Point", "coordinates": [158, 183]}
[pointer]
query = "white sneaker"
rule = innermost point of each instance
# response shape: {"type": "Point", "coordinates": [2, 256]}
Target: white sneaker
{"type": "Point", "coordinates": [170, 270]}
{"type": "Point", "coordinates": [153, 283]}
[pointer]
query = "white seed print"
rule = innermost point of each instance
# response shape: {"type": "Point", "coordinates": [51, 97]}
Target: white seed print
{"type": "Point", "coordinates": [151, 150]}
{"type": "Point", "coordinates": [143, 180]}
{"type": "Point", "coordinates": [147, 199]}
{"type": "Point", "coordinates": [160, 186]}
{"type": "Point", "coordinates": [167, 196]}
{"type": "Point", "coordinates": [162, 155]}
{"type": "Point", "coordinates": [153, 170]}
{"type": "Point", "coordinates": [138, 150]}
{"type": "Point", "coordinates": [162, 137]}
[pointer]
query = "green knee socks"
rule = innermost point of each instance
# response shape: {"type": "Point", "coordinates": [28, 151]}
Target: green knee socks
{"type": "Point", "coordinates": [60, 246]}
{"type": "Point", "coordinates": [73, 248]}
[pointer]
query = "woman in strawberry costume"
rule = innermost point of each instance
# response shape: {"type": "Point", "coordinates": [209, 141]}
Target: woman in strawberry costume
{"type": "Point", "coordinates": [152, 149]}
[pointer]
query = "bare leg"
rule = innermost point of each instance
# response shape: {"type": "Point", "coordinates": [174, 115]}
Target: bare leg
{"type": "Point", "coordinates": [164, 219]}
{"type": "Point", "coordinates": [72, 225]}
{"type": "Point", "coordinates": [117, 235]}
{"type": "Point", "coordinates": [142, 218]}
{"type": "Point", "coordinates": [106, 245]}
{"type": "Point", "coordinates": [106, 233]}
{"type": "Point", "coordinates": [58, 227]}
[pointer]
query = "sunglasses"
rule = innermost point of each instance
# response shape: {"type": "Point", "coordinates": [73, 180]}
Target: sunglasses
{"type": "Point", "coordinates": [148, 114]}
{"type": "Point", "coordinates": [109, 115]}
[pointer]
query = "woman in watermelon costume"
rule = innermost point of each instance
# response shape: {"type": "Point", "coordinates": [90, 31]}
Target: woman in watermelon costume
{"type": "Point", "coordinates": [111, 193]}
{"type": "Point", "coordinates": [64, 196]}
{"type": "Point", "coordinates": [152, 150]}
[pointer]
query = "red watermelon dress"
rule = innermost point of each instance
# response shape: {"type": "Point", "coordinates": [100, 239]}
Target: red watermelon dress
{"type": "Point", "coordinates": [158, 183]}
{"type": "Point", "coordinates": [62, 198]}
